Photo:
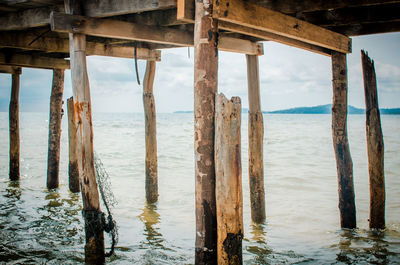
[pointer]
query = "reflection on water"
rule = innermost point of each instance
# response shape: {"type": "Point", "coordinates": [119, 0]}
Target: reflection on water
{"type": "Point", "coordinates": [151, 219]}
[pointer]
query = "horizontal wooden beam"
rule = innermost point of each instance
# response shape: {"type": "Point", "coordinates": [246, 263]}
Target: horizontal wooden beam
{"type": "Point", "coordinates": [6, 69]}
{"type": "Point", "coordinates": [138, 32]}
{"type": "Point", "coordinates": [23, 40]}
{"type": "Point", "coordinates": [368, 28]}
{"type": "Point", "coordinates": [246, 14]}
{"type": "Point", "coordinates": [293, 7]}
{"type": "Point", "coordinates": [267, 36]}
{"type": "Point", "coordinates": [24, 60]}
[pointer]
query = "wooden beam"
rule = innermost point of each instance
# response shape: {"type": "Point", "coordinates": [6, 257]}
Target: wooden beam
{"type": "Point", "coordinates": [105, 8]}
{"type": "Point", "coordinates": [23, 40]}
{"type": "Point", "coordinates": [137, 32]}
{"type": "Point", "coordinates": [369, 28]}
{"type": "Point", "coordinates": [31, 61]}
{"type": "Point", "coordinates": [228, 180]}
{"type": "Point", "coordinates": [14, 172]}
{"type": "Point", "coordinates": [375, 145]}
{"type": "Point", "coordinates": [53, 154]}
{"type": "Point", "coordinates": [73, 171]}
{"type": "Point", "coordinates": [150, 133]}
{"type": "Point", "coordinates": [344, 163]}
{"type": "Point", "coordinates": [289, 7]}
{"type": "Point", "coordinates": [245, 14]}
{"type": "Point", "coordinates": [205, 89]}
{"type": "Point", "coordinates": [94, 226]}
{"type": "Point", "coordinates": [185, 10]}
{"type": "Point", "coordinates": [6, 69]}
{"type": "Point", "coordinates": [256, 136]}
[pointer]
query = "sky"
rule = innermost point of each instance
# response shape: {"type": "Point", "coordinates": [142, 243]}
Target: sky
{"type": "Point", "coordinates": [289, 77]}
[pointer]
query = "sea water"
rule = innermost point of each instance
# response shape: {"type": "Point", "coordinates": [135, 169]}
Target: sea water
{"type": "Point", "coordinates": [38, 226]}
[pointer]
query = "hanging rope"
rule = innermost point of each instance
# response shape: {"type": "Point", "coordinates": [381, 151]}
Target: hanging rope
{"type": "Point", "coordinates": [109, 225]}
{"type": "Point", "coordinates": [136, 66]}
{"type": "Point", "coordinates": [189, 52]}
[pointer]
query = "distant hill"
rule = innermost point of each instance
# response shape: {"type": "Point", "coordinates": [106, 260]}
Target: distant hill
{"type": "Point", "coordinates": [321, 109]}
{"type": "Point", "coordinates": [326, 109]}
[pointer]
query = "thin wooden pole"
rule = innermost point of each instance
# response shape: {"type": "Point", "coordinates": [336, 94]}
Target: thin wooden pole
{"type": "Point", "coordinates": [256, 135]}
{"type": "Point", "coordinates": [205, 89]}
{"type": "Point", "coordinates": [53, 154]}
{"type": "Point", "coordinates": [73, 170]}
{"type": "Point", "coordinates": [14, 125]}
{"type": "Point", "coordinates": [344, 163]}
{"type": "Point", "coordinates": [228, 179]}
{"type": "Point", "coordinates": [94, 248]}
{"type": "Point", "coordinates": [151, 133]}
{"type": "Point", "coordinates": [375, 145]}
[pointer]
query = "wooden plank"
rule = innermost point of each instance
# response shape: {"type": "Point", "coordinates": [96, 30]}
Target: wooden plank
{"type": "Point", "coordinates": [94, 227]}
{"type": "Point", "coordinates": [267, 36]}
{"type": "Point", "coordinates": [375, 146]}
{"type": "Point", "coordinates": [205, 89]}
{"type": "Point", "coordinates": [367, 29]}
{"type": "Point", "coordinates": [73, 171]}
{"type": "Point", "coordinates": [23, 40]}
{"type": "Point", "coordinates": [185, 11]}
{"type": "Point", "coordinates": [228, 180]}
{"type": "Point", "coordinates": [105, 8]}
{"type": "Point", "coordinates": [31, 61]}
{"type": "Point", "coordinates": [14, 172]}
{"type": "Point", "coordinates": [150, 134]}
{"type": "Point", "coordinates": [229, 44]}
{"type": "Point", "coordinates": [344, 163]}
{"type": "Point", "coordinates": [53, 154]}
{"type": "Point", "coordinates": [256, 136]}
{"type": "Point", "coordinates": [253, 16]}
{"type": "Point", "coordinates": [6, 69]}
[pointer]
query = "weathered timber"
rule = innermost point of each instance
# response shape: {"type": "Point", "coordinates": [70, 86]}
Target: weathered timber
{"type": "Point", "coordinates": [14, 126]}
{"type": "Point", "coordinates": [228, 180]}
{"type": "Point", "coordinates": [256, 135]}
{"type": "Point", "coordinates": [151, 133]}
{"type": "Point", "coordinates": [53, 154]}
{"type": "Point", "coordinates": [205, 89]}
{"type": "Point", "coordinates": [73, 170]}
{"type": "Point", "coordinates": [253, 16]}
{"type": "Point", "coordinates": [94, 247]}
{"type": "Point", "coordinates": [6, 69]}
{"type": "Point", "coordinates": [367, 28]}
{"type": "Point", "coordinates": [25, 60]}
{"type": "Point", "coordinates": [344, 163]}
{"type": "Point", "coordinates": [23, 40]}
{"type": "Point", "coordinates": [375, 145]}
{"type": "Point", "coordinates": [109, 28]}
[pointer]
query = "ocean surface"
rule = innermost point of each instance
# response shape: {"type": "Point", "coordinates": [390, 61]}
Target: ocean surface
{"type": "Point", "coordinates": [38, 226]}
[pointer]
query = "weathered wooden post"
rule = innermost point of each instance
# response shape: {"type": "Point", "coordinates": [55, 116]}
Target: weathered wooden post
{"type": "Point", "coordinates": [205, 89]}
{"type": "Point", "coordinates": [151, 133]}
{"type": "Point", "coordinates": [53, 154]}
{"type": "Point", "coordinates": [256, 135]}
{"type": "Point", "coordinates": [94, 248]}
{"type": "Point", "coordinates": [375, 145]}
{"type": "Point", "coordinates": [228, 179]}
{"type": "Point", "coordinates": [73, 171]}
{"type": "Point", "coordinates": [344, 163]}
{"type": "Point", "coordinates": [14, 125]}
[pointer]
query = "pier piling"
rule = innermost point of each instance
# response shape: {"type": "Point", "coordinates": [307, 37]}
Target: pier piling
{"type": "Point", "coordinates": [228, 179]}
{"type": "Point", "coordinates": [150, 133]}
{"type": "Point", "coordinates": [344, 163]}
{"type": "Point", "coordinates": [14, 125]}
{"type": "Point", "coordinates": [375, 146]}
{"type": "Point", "coordinates": [205, 89]}
{"type": "Point", "coordinates": [53, 154]}
{"type": "Point", "coordinates": [73, 171]}
{"type": "Point", "coordinates": [256, 135]}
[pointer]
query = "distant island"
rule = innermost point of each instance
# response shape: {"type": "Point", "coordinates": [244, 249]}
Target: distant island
{"type": "Point", "coordinates": [321, 109]}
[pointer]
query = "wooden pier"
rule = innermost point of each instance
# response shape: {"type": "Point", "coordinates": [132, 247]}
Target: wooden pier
{"type": "Point", "coordinates": [59, 34]}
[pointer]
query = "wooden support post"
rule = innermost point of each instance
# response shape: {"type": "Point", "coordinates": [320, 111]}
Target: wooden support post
{"type": "Point", "coordinates": [53, 154]}
{"type": "Point", "coordinates": [151, 133]}
{"type": "Point", "coordinates": [256, 135]}
{"type": "Point", "coordinates": [344, 163]}
{"type": "Point", "coordinates": [94, 247]}
{"type": "Point", "coordinates": [73, 171]}
{"type": "Point", "coordinates": [228, 179]}
{"type": "Point", "coordinates": [205, 89]}
{"type": "Point", "coordinates": [375, 145]}
{"type": "Point", "coordinates": [14, 125]}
